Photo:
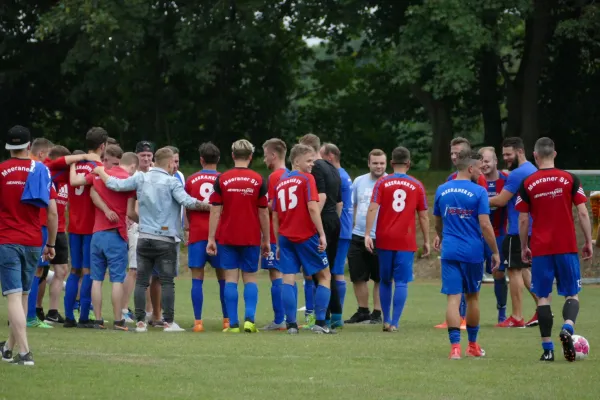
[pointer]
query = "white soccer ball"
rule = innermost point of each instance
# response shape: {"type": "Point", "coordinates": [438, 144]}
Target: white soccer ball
{"type": "Point", "coordinates": [582, 347]}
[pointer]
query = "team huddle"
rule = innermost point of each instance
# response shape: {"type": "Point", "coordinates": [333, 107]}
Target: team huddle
{"type": "Point", "coordinates": [129, 213]}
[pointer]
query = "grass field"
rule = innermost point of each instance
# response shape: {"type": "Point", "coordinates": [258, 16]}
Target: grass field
{"type": "Point", "coordinates": [360, 362]}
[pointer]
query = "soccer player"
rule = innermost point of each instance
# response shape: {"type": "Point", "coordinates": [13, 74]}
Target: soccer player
{"type": "Point", "coordinates": [21, 235]}
{"type": "Point", "coordinates": [274, 158]}
{"type": "Point", "coordinates": [498, 215]}
{"type": "Point", "coordinates": [457, 145]}
{"type": "Point", "coordinates": [239, 208]}
{"type": "Point", "coordinates": [81, 227]}
{"type": "Point", "coordinates": [553, 253]}
{"type": "Point", "coordinates": [112, 156]}
{"type": "Point", "coordinates": [200, 186]}
{"type": "Point", "coordinates": [363, 264]}
{"type": "Point", "coordinates": [330, 152]}
{"type": "Point", "coordinates": [109, 241]}
{"type": "Point", "coordinates": [329, 185]}
{"type": "Point", "coordinates": [461, 213]}
{"type": "Point", "coordinates": [40, 148]}
{"type": "Point", "coordinates": [301, 239]}
{"type": "Point", "coordinates": [519, 272]}
{"type": "Point", "coordinates": [58, 161]}
{"type": "Point", "coordinates": [397, 198]}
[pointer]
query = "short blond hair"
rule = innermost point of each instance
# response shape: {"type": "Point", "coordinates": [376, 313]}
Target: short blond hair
{"type": "Point", "coordinates": [460, 140]}
{"type": "Point", "coordinates": [311, 140]}
{"type": "Point", "coordinates": [490, 149]}
{"type": "Point", "coordinates": [130, 158]}
{"type": "Point", "coordinates": [242, 149]}
{"type": "Point", "coordinates": [376, 153]}
{"type": "Point", "coordinates": [277, 146]}
{"type": "Point", "coordinates": [163, 156]}
{"type": "Point", "coordinates": [299, 150]}
{"type": "Point", "coordinates": [114, 151]}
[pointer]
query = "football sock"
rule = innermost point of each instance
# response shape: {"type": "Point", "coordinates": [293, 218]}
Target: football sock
{"type": "Point", "coordinates": [231, 300]}
{"type": "Point", "coordinates": [70, 295]}
{"type": "Point", "coordinates": [454, 335]}
{"type": "Point", "coordinates": [197, 298]}
{"type": "Point", "coordinates": [501, 292]}
{"type": "Point", "coordinates": [545, 320]}
{"type": "Point", "coordinates": [568, 328]}
{"type": "Point", "coordinates": [278, 310]}
{"type": "Point", "coordinates": [222, 297]}
{"type": "Point", "coordinates": [548, 346]}
{"type": "Point", "coordinates": [290, 302]}
{"type": "Point", "coordinates": [32, 299]}
{"type": "Point", "coordinates": [309, 296]}
{"type": "Point", "coordinates": [472, 332]}
{"type": "Point", "coordinates": [571, 310]}
{"type": "Point", "coordinates": [85, 297]}
{"type": "Point", "coordinates": [463, 306]}
{"type": "Point", "coordinates": [341, 287]}
{"type": "Point", "coordinates": [385, 296]}
{"type": "Point", "coordinates": [250, 300]}
{"type": "Point", "coordinates": [322, 297]}
{"type": "Point", "coordinates": [400, 295]}
{"type": "Point", "coordinates": [296, 291]}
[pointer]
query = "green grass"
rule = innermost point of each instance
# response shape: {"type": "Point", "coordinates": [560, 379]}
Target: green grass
{"type": "Point", "coordinates": [359, 363]}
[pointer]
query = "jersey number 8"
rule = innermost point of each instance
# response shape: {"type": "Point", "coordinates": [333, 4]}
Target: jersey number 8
{"type": "Point", "coordinates": [399, 200]}
{"type": "Point", "coordinates": [292, 198]}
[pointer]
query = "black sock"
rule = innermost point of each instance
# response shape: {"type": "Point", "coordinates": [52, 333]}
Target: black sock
{"type": "Point", "coordinates": [545, 321]}
{"type": "Point", "coordinates": [52, 313]}
{"type": "Point", "coordinates": [376, 313]}
{"type": "Point", "coordinates": [570, 310]}
{"type": "Point", "coordinates": [320, 322]}
{"type": "Point", "coordinates": [363, 310]}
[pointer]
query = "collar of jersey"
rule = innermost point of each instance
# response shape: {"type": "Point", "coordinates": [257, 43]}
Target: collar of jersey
{"type": "Point", "coordinates": [208, 171]}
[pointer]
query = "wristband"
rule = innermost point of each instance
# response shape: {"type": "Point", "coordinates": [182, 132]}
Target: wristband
{"type": "Point", "coordinates": [50, 245]}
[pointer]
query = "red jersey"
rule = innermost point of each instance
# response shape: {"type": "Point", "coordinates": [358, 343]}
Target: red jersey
{"type": "Point", "coordinates": [19, 222]}
{"type": "Point", "coordinates": [241, 192]}
{"type": "Point", "coordinates": [59, 171]}
{"type": "Point", "coordinates": [116, 201]}
{"type": "Point", "coordinates": [399, 196]}
{"type": "Point", "coordinates": [548, 195]}
{"type": "Point", "coordinates": [200, 186]}
{"type": "Point", "coordinates": [294, 191]}
{"type": "Point", "coordinates": [273, 181]}
{"type": "Point", "coordinates": [480, 181]}
{"type": "Point", "coordinates": [81, 208]}
{"type": "Point", "coordinates": [498, 215]}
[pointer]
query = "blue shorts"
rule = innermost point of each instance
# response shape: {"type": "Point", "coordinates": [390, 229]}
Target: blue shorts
{"type": "Point", "coordinates": [461, 277]}
{"type": "Point", "coordinates": [487, 254]}
{"type": "Point", "coordinates": [109, 250]}
{"type": "Point", "coordinates": [306, 254]}
{"type": "Point", "coordinates": [239, 257]}
{"type": "Point", "coordinates": [396, 265]}
{"type": "Point", "coordinates": [197, 256]}
{"type": "Point", "coordinates": [80, 246]}
{"type": "Point", "coordinates": [340, 257]}
{"type": "Point", "coordinates": [270, 262]}
{"type": "Point", "coordinates": [563, 267]}
{"type": "Point", "coordinates": [17, 267]}
{"type": "Point", "coordinates": [44, 263]}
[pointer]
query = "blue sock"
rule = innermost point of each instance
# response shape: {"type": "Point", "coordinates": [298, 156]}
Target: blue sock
{"type": "Point", "coordinates": [472, 332]}
{"type": "Point", "coordinates": [222, 297]}
{"type": "Point", "coordinates": [278, 310]}
{"type": "Point", "coordinates": [341, 287]}
{"type": "Point", "coordinates": [295, 291]}
{"type": "Point", "coordinates": [463, 306]}
{"type": "Point", "coordinates": [501, 292]}
{"type": "Point", "coordinates": [322, 297]}
{"type": "Point", "coordinates": [400, 295]}
{"type": "Point", "coordinates": [85, 297]}
{"type": "Point", "coordinates": [71, 295]}
{"type": "Point", "coordinates": [309, 296]}
{"type": "Point", "coordinates": [548, 346]}
{"type": "Point", "coordinates": [250, 300]}
{"type": "Point", "coordinates": [197, 298]}
{"type": "Point", "coordinates": [290, 302]}
{"type": "Point", "coordinates": [32, 299]}
{"type": "Point", "coordinates": [385, 295]}
{"type": "Point", "coordinates": [231, 300]}
{"type": "Point", "coordinates": [454, 335]}
{"type": "Point", "coordinates": [568, 328]}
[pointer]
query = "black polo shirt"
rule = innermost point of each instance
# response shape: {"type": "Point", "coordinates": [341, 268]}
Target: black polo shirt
{"type": "Point", "coordinates": [329, 182]}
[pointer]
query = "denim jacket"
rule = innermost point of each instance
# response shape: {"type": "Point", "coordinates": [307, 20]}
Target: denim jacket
{"type": "Point", "coordinates": [160, 197]}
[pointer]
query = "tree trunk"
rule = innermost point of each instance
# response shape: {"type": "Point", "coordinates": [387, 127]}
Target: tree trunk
{"type": "Point", "coordinates": [440, 118]}
{"type": "Point", "coordinates": [490, 100]}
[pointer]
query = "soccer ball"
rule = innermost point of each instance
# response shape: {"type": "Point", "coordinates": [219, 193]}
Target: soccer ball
{"type": "Point", "coordinates": [582, 347]}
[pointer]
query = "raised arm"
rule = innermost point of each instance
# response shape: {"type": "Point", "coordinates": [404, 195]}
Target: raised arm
{"type": "Point", "coordinates": [116, 184]}
{"type": "Point", "coordinates": [76, 180]}
{"type": "Point", "coordinates": [181, 196]}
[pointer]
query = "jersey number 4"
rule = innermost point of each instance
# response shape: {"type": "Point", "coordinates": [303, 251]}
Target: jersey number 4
{"type": "Point", "coordinates": [399, 200]}
{"type": "Point", "coordinates": [292, 199]}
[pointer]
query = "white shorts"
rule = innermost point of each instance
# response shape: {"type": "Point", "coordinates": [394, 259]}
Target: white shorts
{"type": "Point", "coordinates": [132, 234]}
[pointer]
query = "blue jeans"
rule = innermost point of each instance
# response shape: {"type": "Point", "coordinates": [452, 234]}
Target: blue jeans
{"type": "Point", "coordinates": [17, 267]}
{"type": "Point", "coordinates": [109, 250]}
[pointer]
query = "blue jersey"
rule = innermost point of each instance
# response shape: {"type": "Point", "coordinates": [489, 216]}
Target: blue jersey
{"type": "Point", "coordinates": [513, 183]}
{"type": "Point", "coordinates": [460, 203]}
{"type": "Point", "coordinates": [498, 215]}
{"type": "Point", "coordinates": [347, 211]}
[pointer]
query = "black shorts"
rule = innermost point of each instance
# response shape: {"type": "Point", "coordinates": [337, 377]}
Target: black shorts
{"type": "Point", "coordinates": [511, 252]}
{"type": "Point", "coordinates": [362, 264]}
{"type": "Point", "coordinates": [61, 248]}
{"type": "Point", "coordinates": [331, 227]}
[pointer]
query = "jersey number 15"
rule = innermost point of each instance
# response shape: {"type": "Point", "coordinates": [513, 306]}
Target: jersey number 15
{"type": "Point", "coordinates": [292, 199]}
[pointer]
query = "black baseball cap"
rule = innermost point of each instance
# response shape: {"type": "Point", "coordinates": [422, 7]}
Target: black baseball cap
{"type": "Point", "coordinates": [143, 146]}
{"type": "Point", "coordinates": [18, 138]}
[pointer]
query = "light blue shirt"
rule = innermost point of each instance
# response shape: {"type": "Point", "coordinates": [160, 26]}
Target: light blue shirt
{"type": "Point", "coordinates": [362, 190]}
{"type": "Point", "coordinates": [160, 197]}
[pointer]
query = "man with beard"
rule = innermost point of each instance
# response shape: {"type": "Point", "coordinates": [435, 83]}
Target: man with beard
{"type": "Point", "coordinates": [519, 273]}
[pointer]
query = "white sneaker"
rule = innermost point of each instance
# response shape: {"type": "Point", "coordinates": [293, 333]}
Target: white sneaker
{"type": "Point", "coordinates": [141, 327]}
{"type": "Point", "coordinates": [173, 327]}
